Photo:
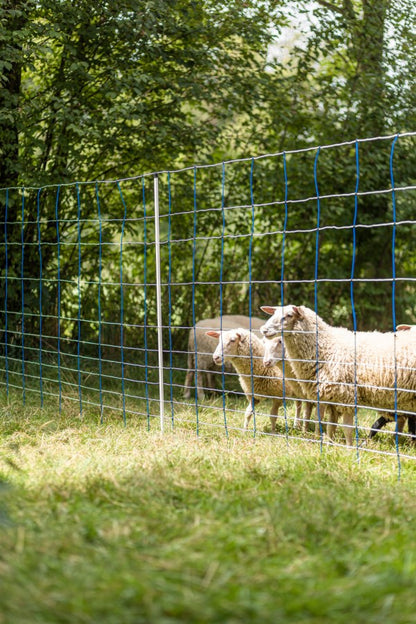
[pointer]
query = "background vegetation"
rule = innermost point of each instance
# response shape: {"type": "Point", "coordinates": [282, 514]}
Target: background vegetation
{"type": "Point", "coordinates": [114, 90]}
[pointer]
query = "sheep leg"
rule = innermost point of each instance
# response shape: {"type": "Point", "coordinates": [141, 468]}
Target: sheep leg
{"type": "Point", "coordinates": [210, 380]}
{"type": "Point", "coordinates": [275, 409]}
{"type": "Point", "coordinates": [249, 411]}
{"type": "Point", "coordinates": [411, 425]}
{"type": "Point", "coordinates": [307, 415]}
{"type": "Point", "coordinates": [348, 425]}
{"type": "Point", "coordinates": [400, 423]}
{"type": "Point", "coordinates": [201, 381]}
{"type": "Point", "coordinates": [401, 420]}
{"type": "Point", "coordinates": [332, 421]}
{"type": "Point", "coordinates": [320, 415]}
{"type": "Point", "coordinates": [188, 383]}
{"type": "Point", "coordinates": [298, 421]}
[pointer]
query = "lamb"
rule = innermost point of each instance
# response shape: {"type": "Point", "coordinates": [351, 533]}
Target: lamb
{"type": "Point", "coordinates": [205, 346]}
{"type": "Point", "coordinates": [274, 356]}
{"type": "Point", "coordinates": [370, 369]}
{"type": "Point", "coordinates": [245, 351]}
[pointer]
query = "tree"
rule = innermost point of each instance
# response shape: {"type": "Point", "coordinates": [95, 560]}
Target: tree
{"type": "Point", "coordinates": [113, 88]}
{"type": "Point", "coordinates": [110, 89]}
{"type": "Point", "coordinates": [347, 75]}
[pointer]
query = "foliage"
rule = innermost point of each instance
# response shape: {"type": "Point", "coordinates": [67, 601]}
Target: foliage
{"type": "Point", "coordinates": [114, 90]}
{"type": "Point", "coordinates": [343, 78]}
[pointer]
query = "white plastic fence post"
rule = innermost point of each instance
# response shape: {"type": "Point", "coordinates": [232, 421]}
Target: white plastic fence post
{"type": "Point", "coordinates": [159, 303]}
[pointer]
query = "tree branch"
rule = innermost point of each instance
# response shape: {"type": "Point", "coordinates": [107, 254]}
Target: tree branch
{"type": "Point", "coordinates": [345, 10]}
{"type": "Point", "coordinates": [331, 7]}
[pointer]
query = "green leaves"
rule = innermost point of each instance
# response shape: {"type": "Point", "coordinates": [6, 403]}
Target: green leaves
{"type": "Point", "coordinates": [113, 62]}
{"type": "Point", "coordinates": [114, 89]}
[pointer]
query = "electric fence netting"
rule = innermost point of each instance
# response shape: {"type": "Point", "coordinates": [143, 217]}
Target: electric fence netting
{"type": "Point", "coordinates": [105, 284]}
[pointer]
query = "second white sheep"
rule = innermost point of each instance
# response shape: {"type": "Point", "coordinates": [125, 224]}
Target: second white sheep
{"type": "Point", "coordinates": [245, 352]}
{"type": "Point", "coordinates": [274, 355]}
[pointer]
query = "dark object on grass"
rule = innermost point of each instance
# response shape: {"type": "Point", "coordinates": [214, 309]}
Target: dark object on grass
{"type": "Point", "coordinates": [383, 420]}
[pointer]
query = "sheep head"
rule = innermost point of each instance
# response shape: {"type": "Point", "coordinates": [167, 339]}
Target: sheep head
{"type": "Point", "coordinates": [228, 342]}
{"type": "Point", "coordinates": [273, 351]}
{"type": "Point", "coordinates": [282, 318]}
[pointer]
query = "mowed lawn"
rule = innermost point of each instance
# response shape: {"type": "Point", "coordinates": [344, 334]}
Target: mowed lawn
{"type": "Point", "coordinates": [113, 524]}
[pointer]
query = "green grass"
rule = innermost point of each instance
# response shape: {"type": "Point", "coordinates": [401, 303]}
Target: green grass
{"type": "Point", "coordinates": [116, 524]}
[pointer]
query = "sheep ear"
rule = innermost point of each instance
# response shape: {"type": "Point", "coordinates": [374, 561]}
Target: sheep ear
{"type": "Point", "coordinates": [297, 311]}
{"type": "Point", "coordinates": [239, 334]}
{"type": "Point", "coordinates": [213, 334]}
{"type": "Point", "coordinates": [268, 309]}
{"type": "Point", "coordinates": [403, 327]}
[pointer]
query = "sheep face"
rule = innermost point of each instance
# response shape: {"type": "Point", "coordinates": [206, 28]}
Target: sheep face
{"type": "Point", "coordinates": [283, 318]}
{"type": "Point", "coordinates": [227, 345]}
{"type": "Point", "coordinates": [273, 351]}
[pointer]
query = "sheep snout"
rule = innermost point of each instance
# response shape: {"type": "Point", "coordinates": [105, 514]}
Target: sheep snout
{"type": "Point", "coordinates": [269, 332]}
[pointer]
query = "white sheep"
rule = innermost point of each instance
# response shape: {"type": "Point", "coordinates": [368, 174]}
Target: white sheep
{"type": "Point", "coordinates": [203, 346]}
{"type": "Point", "coordinates": [245, 351]}
{"type": "Point", "coordinates": [386, 417]}
{"type": "Point", "coordinates": [274, 356]}
{"type": "Point", "coordinates": [348, 368]}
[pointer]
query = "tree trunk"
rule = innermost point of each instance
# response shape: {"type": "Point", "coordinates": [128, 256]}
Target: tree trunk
{"type": "Point", "coordinates": [374, 245]}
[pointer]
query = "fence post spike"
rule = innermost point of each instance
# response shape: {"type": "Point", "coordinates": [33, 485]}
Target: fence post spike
{"type": "Point", "coordinates": [159, 304]}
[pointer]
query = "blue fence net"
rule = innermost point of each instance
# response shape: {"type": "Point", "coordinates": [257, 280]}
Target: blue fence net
{"type": "Point", "coordinates": [329, 227]}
